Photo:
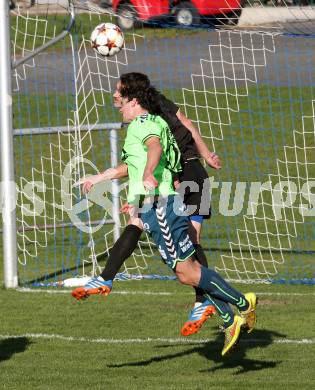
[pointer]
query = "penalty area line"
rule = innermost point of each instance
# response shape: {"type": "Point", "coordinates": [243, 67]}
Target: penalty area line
{"type": "Point", "coordinates": [41, 290]}
{"type": "Point", "coordinates": [145, 340]}
{"type": "Point", "coordinates": [162, 293]}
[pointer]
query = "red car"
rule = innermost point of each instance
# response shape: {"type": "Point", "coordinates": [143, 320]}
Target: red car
{"type": "Point", "coordinates": [185, 13]}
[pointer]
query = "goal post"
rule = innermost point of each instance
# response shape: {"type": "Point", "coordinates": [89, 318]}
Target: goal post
{"type": "Point", "coordinates": [8, 187]}
{"type": "Point", "coordinates": [7, 161]}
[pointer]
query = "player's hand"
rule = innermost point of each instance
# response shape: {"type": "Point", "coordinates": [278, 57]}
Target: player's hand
{"type": "Point", "coordinates": [213, 161]}
{"type": "Point", "coordinates": [131, 210]}
{"type": "Point", "coordinates": [125, 208]}
{"type": "Point", "coordinates": [176, 184]}
{"type": "Point", "coordinates": [149, 182]}
{"type": "Point", "coordinates": [89, 181]}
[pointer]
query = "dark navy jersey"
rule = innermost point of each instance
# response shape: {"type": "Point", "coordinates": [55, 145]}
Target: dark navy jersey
{"type": "Point", "coordinates": [182, 135]}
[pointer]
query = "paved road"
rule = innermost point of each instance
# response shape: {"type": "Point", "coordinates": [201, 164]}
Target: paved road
{"type": "Point", "coordinates": [171, 62]}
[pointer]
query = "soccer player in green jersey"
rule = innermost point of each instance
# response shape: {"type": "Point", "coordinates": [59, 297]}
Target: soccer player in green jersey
{"type": "Point", "coordinates": [194, 187]}
{"type": "Point", "coordinates": [150, 158]}
{"type": "Point", "coordinates": [147, 129]}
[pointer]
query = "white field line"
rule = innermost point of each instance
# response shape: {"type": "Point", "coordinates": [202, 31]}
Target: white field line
{"type": "Point", "coordinates": [64, 291]}
{"type": "Point", "coordinates": [145, 340]}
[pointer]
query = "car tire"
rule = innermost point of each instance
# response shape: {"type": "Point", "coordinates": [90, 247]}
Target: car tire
{"type": "Point", "coordinates": [127, 17]}
{"type": "Point", "coordinates": [186, 14]}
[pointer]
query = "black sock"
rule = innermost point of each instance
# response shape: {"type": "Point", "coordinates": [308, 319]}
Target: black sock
{"type": "Point", "coordinates": [122, 249]}
{"type": "Point", "coordinates": [201, 258]}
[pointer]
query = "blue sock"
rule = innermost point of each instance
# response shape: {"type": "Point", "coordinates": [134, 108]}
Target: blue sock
{"type": "Point", "coordinates": [223, 309]}
{"type": "Point", "coordinates": [214, 285]}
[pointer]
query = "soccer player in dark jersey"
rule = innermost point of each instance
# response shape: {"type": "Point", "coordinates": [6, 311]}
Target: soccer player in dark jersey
{"type": "Point", "coordinates": [194, 187]}
{"type": "Point", "coordinates": [150, 157]}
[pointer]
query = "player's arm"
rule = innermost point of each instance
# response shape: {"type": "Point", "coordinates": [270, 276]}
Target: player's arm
{"type": "Point", "coordinates": [109, 174]}
{"type": "Point", "coordinates": [116, 173]}
{"type": "Point", "coordinates": [153, 157]}
{"type": "Point", "coordinates": [211, 158]}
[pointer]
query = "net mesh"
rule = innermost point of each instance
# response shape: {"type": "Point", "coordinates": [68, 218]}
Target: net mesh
{"type": "Point", "coordinates": [248, 89]}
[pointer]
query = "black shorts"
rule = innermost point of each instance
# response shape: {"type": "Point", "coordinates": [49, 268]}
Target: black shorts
{"type": "Point", "coordinates": [195, 188]}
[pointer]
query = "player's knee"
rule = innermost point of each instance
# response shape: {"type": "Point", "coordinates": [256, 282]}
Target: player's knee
{"type": "Point", "coordinates": [188, 272]}
{"type": "Point", "coordinates": [183, 277]}
{"type": "Point", "coordinates": [187, 277]}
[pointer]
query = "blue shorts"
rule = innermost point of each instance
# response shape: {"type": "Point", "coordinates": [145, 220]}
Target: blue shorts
{"type": "Point", "coordinates": [196, 218]}
{"type": "Point", "coordinates": [166, 222]}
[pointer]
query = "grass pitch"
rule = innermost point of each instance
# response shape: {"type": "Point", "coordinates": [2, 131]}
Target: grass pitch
{"type": "Point", "coordinates": [131, 340]}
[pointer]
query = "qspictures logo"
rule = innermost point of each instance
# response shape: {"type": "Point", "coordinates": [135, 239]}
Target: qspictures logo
{"type": "Point", "coordinates": [234, 198]}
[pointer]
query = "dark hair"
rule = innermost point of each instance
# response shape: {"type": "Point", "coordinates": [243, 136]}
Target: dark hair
{"type": "Point", "coordinates": [138, 86]}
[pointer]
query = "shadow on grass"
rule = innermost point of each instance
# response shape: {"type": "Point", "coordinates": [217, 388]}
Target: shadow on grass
{"type": "Point", "coordinates": [13, 345]}
{"type": "Point", "coordinates": [212, 352]}
{"type": "Point", "coordinates": [237, 359]}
